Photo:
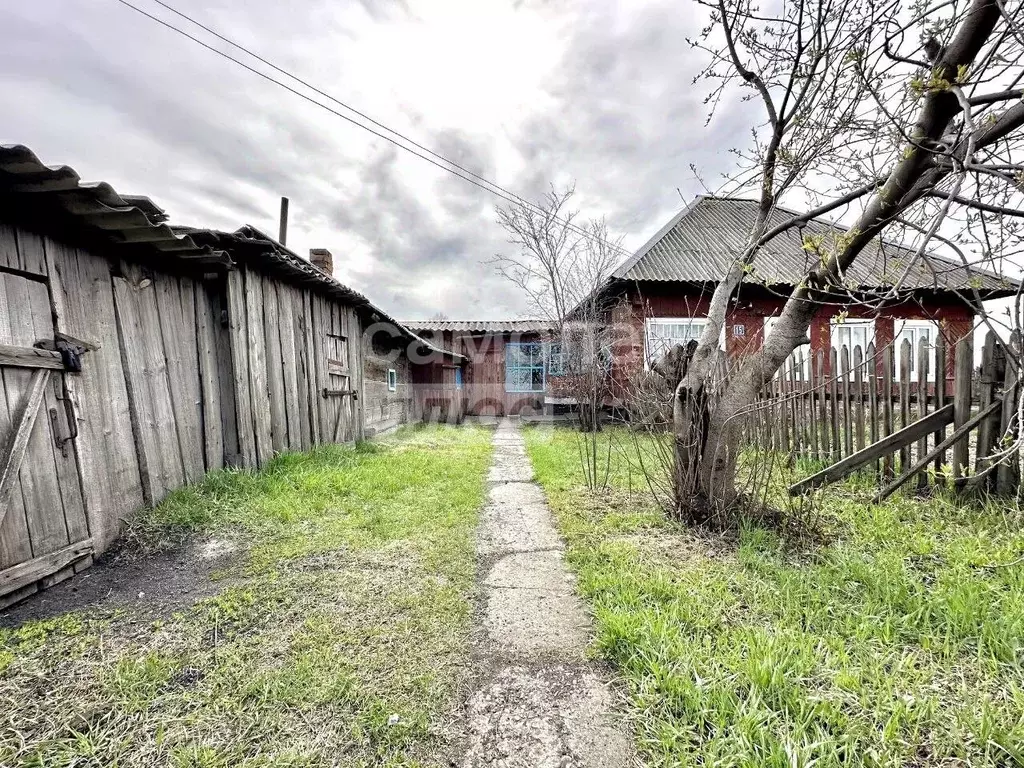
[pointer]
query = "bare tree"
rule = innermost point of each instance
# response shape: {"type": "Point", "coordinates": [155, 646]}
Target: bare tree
{"type": "Point", "coordinates": [561, 265]}
{"type": "Point", "coordinates": [905, 118]}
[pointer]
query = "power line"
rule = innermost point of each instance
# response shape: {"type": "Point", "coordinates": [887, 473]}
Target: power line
{"type": "Point", "coordinates": [425, 154]}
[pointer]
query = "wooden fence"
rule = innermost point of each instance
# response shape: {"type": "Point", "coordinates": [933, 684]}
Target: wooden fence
{"type": "Point", "coordinates": [896, 410]}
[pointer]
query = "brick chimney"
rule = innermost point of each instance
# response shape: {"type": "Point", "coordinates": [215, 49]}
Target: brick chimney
{"type": "Point", "coordinates": [322, 259]}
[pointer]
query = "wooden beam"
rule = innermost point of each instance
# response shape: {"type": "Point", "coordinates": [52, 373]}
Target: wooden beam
{"type": "Point", "coordinates": [886, 445]}
{"type": "Point", "coordinates": [29, 357]}
{"type": "Point", "coordinates": [15, 453]}
{"type": "Point", "coordinates": [31, 571]}
{"type": "Point", "coordinates": [958, 434]}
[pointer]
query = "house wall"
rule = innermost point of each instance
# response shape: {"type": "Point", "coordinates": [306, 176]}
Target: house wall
{"type": "Point", "coordinates": [385, 410]}
{"type": "Point", "coordinates": [955, 320]}
{"type": "Point", "coordinates": [484, 373]}
{"type": "Point", "coordinates": [438, 397]}
{"type": "Point", "coordinates": [184, 375]}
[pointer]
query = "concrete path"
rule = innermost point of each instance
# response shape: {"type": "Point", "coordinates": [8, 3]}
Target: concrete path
{"type": "Point", "coordinates": [538, 703]}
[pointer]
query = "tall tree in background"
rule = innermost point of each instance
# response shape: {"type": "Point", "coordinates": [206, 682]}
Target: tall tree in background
{"type": "Point", "coordinates": [904, 118]}
{"type": "Point", "coordinates": [561, 263]}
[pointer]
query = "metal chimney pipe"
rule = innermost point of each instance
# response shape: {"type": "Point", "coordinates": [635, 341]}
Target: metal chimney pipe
{"type": "Point", "coordinates": [282, 236]}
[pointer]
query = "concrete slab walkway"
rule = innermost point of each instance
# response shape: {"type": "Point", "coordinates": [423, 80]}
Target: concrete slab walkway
{"type": "Point", "coordinates": [538, 703]}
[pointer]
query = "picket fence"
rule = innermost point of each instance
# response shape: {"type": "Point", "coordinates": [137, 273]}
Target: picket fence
{"type": "Point", "coordinates": [858, 411]}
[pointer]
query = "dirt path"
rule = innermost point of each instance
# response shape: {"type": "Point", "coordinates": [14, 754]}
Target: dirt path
{"type": "Point", "coordinates": [538, 702]}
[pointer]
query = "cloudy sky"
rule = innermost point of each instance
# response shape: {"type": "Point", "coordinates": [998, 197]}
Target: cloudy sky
{"type": "Point", "coordinates": [524, 93]}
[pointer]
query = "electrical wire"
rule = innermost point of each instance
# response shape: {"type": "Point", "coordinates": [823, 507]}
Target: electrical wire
{"type": "Point", "coordinates": [425, 153]}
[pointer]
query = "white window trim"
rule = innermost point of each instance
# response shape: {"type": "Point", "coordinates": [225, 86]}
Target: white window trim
{"type": "Point", "coordinates": [852, 323]}
{"type": "Point", "coordinates": [392, 380]}
{"type": "Point", "coordinates": [701, 322]}
{"type": "Point", "coordinates": [902, 325]}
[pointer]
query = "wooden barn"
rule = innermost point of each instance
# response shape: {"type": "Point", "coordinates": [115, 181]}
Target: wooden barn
{"type": "Point", "coordinates": [135, 357]}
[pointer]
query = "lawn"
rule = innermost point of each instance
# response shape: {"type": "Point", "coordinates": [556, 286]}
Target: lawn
{"type": "Point", "coordinates": [337, 635]}
{"type": "Point", "coordinates": [900, 642]}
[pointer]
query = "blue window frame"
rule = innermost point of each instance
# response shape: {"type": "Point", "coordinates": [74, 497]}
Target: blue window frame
{"type": "Point", "coordinates": [458, 378]}
{"type": "Point", "coordinates": [524, 367]}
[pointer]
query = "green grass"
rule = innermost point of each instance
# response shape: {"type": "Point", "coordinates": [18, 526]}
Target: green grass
{"type": "Point", "coordinates": [899, 643]}
{"type": "Point", "coordinates": [339, 637]}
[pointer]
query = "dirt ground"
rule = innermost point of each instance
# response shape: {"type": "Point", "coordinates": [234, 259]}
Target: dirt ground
{"type": "Point", "coordinates": [155, 584]}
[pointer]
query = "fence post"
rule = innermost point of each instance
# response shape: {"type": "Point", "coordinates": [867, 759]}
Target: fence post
{"type": "Point", "coordinates": [940, 401]}
{"type": "Point", "coordinates": [1008, 474]}
{"type": "Point", "coordinates": [887, 425]}
{"type": "Point", "coordinates": [905, 366]}
{"type": "Point", "coordinates": [826, 449]}
{"type": "Point", "coordinates": [987, 382]}
{"type": "Point", "coordinates": [847, 426]}
{"type": "Point", "coordinates": [964, 362]}
{"type": "Point", "coordinates": [833, 387]}
{"type": "Point", "coordinates": [922, 405]}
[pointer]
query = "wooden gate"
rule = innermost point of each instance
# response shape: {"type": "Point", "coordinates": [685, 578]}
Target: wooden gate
{"type": "Point", "coordinates": [44, 532]}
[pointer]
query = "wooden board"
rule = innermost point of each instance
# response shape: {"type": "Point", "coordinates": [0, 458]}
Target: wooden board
{"type": "Point", "coordinates": [175, 302]}
{"type": "Point", "coordinates": [275, 370]}
{"type": "Point", "coordinates": [258, 392]}
{"type": "Point", "coordinates": [149, 390]}
{"type": "Point", "coordinates": [83, 303]}
{"type": "Point", "coordinates": [239, 340]}
{"type": "Point", "coordinates": [207, 329]}
{"type": "Point", "coordinates": [290, 367]}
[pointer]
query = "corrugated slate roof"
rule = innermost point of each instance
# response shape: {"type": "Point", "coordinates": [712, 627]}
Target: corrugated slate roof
{"type": "Point", "coordinates": [250, 245]}
{"type": "Point", "coordinates": [480, 326]}
{"type": "Point", "coordinates": [49, 195]}
{"type": "Point", "coordinates": [56, 194]}
{"type": "Point", "coordinates": [700, 243]}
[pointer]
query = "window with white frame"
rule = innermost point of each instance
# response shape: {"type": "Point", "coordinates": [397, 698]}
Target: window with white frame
{"type": "Point", "coordinates": [851, 334]}
{"type": "Point", "coordinates": [661, 334]}
{"type": "Point", "coordinates": [392, 380]}
{"type": "Point", "coordinates": [800, 357]}
{"type": "Point", "coordinates": [913, 331]}
{"type": "Point", "coordinates": [556, 359]}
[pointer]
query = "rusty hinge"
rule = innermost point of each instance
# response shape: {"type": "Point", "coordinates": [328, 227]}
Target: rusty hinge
{"type": "Point", "coordinates": [61, 393]}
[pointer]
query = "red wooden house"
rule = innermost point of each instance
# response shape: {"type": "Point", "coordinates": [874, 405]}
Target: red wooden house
{"type": "Point", "coordinates": [660, 295]}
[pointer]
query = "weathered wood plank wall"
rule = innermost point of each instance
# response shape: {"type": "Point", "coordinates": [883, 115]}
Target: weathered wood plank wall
{"type": "Point", "coordinates": [184, 375]}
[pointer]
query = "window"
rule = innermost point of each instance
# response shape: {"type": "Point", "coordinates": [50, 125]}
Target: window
{"type": "Point", "coordinates": [663, 333]}
{"type": "Point", "coordinates": [804, 370]}
{"type": "Point", "coordinates": [852, 333]}
{"type": "Point", "coordinates": [458, 378]}
{"type": "Point", "coordinates": [392, 380]}
{"type": "Point", "coordinates": [556, 359]}
{"type": "Point", "coordinates": [913, 331]}
{"type": "Point", "coordinates": [524, 367]}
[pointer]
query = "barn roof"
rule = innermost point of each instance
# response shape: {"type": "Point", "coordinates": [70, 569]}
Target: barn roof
{"type": "Point", "coordinates": [700, 243]}
{"type": "Point", "coordinates": [480, 326]}
{"type": "Point", "coordinates": [251, 246]}
{"type": "Point", "coordinates": [56, 196]}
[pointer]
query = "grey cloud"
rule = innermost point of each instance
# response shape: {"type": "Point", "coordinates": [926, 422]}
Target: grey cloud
{"type": "Point", "coordinates": [123, 100]}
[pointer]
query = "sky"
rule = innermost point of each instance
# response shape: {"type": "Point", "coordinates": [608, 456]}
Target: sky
{"type": "Point", "coordinates": [524, 93]}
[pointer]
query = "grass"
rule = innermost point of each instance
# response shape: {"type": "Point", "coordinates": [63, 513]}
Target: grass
{"type": "Point", "coordinates": [338, 638]}
{"type": "Point", "coordinates": [900, 643]}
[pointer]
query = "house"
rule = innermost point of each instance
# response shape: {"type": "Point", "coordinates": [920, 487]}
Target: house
{"type": "Point", "coordinates": [659, 297]}
{"type": "Point", "coordinates": [135, 357]}
{"type": "Point", "coordinates": [511, 366]}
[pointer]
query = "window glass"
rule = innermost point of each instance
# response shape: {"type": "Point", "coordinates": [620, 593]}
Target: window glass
{"type": "Point", "coordinates": [913, 331]}
{"type": "Point", "coordinates": [662, 334]}
{"type": "Point", "coordinates": [458, 378]}
{"type": "Point", "coordinates": [392, 380]}
{"type": "Point", "coordinates": [853, 333]}
{"type": "Point", "coordinates": [524, 367]}
{"type": "Point", "coordinates": [556, 359]}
